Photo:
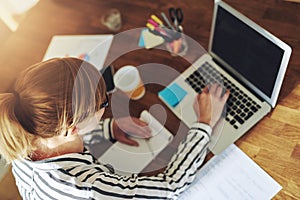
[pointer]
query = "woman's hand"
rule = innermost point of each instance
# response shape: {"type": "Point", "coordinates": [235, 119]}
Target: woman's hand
{"type": "Point", "coordinates": [125, 126]}
{"type": "Point", "coordinates": [209, 104]}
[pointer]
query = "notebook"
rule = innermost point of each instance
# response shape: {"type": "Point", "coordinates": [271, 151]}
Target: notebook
{"type": "Point", "coordinates": [243, 58]}
{"type": "Point", "coordinates": [127, 160]}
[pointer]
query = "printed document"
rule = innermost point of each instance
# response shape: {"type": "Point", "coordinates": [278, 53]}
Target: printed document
{"type": "Point", "coordinates": [91, 48]}
{"type": "Point", "coordinates": [231, 175]}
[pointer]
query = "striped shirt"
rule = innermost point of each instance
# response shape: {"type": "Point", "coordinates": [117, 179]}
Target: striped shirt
{"type": "Point", "coordinates": [80, 176]}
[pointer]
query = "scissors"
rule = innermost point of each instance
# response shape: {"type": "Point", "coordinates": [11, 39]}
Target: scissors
{"type": "Point", "coordinates": [176, 16]}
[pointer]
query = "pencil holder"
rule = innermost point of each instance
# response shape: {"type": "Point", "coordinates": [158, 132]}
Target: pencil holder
{"type": "Point", "coordinates": [178, 47]}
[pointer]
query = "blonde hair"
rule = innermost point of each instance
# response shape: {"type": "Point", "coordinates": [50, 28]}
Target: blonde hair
{"type": "Point", "coordinates": [47, 98]}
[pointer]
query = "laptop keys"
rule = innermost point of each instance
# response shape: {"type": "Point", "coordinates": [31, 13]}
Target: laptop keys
{"type": "Point", "coordinates": [239, 108]}
{"type": "Point", "coordinates": [240, 120]}
{"type": "Point", "coordinates": [253, 108]}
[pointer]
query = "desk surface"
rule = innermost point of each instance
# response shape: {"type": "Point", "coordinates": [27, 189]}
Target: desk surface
{"type": "Point", "coordinates": [274, 143]}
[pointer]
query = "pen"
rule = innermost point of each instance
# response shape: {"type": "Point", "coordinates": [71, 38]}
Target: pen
{"type": "Point", "coordinates": [166, 20]}
{"type": "Point", "coordinates": [153, 22]}
{"type": "Point", "coordinates": [156, 19]}
{"type": "Point", "coordinates": [159, 30]}
{"type": "Point", "coordinates": [150, 26]}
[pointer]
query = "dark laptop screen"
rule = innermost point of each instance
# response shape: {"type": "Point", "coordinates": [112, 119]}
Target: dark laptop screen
{"type": "Point", "coordinates": [249, 53]}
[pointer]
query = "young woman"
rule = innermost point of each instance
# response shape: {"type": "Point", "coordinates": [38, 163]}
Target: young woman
{"type": "Point", "coordinates": [41, 121]}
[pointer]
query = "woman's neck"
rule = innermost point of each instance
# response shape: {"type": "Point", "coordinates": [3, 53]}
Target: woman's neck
{"type": "Point", "coordinates": [56, 146]}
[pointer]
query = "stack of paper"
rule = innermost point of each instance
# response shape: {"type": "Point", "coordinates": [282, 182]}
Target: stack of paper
{"type": "Point", "coordinates": [231, 175]}
{"type": "Point", "coordinates": [92, 48]}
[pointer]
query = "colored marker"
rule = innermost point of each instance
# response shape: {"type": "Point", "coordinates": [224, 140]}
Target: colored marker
{"type": "Point", "coordinates": [152, 22]}
{"type": "Point", "coordinates": [160, 32]}
{"type": "Point", "coordinates": [150, 26]}
{"type": "Point", "coordinates": [156, 19]}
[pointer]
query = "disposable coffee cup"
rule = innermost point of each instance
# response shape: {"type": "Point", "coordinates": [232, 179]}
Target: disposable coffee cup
{"type": "Point", "coordinates": [128, 80]}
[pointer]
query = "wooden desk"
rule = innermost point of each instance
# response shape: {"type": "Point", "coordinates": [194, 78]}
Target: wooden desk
{"type": "Point", "coordinates": [274, 143]}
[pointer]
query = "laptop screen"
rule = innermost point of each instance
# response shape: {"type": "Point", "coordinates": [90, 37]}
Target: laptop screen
{"type": "Point", "coordinates": [248, 53]}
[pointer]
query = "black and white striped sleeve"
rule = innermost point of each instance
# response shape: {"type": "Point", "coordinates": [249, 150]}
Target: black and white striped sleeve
{"type": "Point", "coordinates": [104, 130]}
{"type": "Point", "coordinates": [179, 173]}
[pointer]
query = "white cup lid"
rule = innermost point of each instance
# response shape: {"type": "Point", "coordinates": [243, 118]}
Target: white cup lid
{"type": "Point", "coordinates": [127, 78]}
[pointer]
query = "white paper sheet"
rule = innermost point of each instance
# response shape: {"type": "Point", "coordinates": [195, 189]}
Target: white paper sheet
{"type": "Point", "coordinates": [127, 160]}
{"type": "Point", "coordinates": [231, 175]}
{"type": "Point", "coordinates": [92, 48]}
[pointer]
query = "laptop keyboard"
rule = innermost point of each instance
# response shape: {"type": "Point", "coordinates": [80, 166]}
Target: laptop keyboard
{"type": "Point", "coordinates": [239, 107]}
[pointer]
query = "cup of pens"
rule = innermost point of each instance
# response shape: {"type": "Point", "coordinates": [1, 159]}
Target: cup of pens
{"type": "Point", "coordinates": [172, 33]}
{"type": "Point", "coordinates": [178, 46]}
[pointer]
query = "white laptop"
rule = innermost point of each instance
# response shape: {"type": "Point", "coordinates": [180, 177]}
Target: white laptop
{"type": "Point", "coordinates": [244, 58]}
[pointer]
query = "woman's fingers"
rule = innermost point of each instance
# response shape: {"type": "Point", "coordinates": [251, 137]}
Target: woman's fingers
{"type": "Point", "coordinates": [128, 141]}
{"type": "Point", "coordinates": [205, 90]}
{"type": "Point", "coordinates": [133, 126]}
{"type": "Point", "coordinates": [212, 89]}
{"type": "Point", "coordinates": [123, 138]}
{"type": "Point", "coordinates": [219, 91]}
{"type": "Point", "coordinates": [142, 128]}
{"type": "Point", "coordinates": [225, 96]}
